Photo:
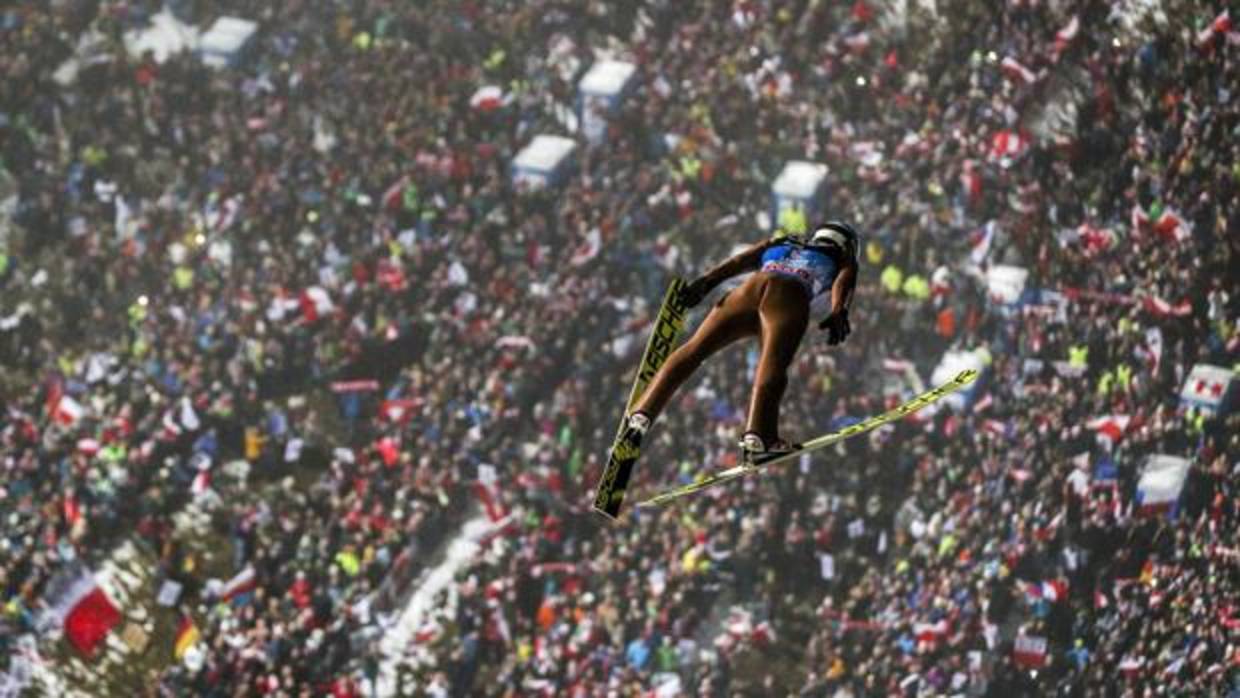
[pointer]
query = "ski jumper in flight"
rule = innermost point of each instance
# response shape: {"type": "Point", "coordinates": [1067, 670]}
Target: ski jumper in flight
{"type": "Point", "coordinates": [774, 304]}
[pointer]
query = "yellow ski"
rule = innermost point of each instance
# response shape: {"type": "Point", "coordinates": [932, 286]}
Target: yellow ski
{"type": "Point", "coordinates": [622, 456]}
{"type": "Point", "coordinates": [962, 379]}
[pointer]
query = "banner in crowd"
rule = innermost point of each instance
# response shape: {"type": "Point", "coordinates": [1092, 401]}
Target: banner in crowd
{"type": "Point", "coordinates": [76, 603]}
{"type": "Point", "coordinates": [1208, 388]}
{"type": "Point", "coordinates": [1161, 481]}
{"type": "Point", "coordinates": [1029, 651]}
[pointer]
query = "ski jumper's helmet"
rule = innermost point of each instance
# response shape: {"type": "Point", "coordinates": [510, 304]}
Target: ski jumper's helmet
{"type": "Point", "coordinates": [837, 233]}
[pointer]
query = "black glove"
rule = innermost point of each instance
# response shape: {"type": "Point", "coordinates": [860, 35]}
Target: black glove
{"type": "Point", "coordinates": [837, 327]}
{"type": "Point", "coordinates": [693, 294]}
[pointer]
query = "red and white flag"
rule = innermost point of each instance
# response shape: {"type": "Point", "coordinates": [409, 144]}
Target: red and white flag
{"type": "Point", "coordinates": [1029, 651]}
{"type": "Point", "coordinates": [1064, 36]}
{"type": "Point", "coordinates": [1095, 239]}
{"type": "Point", "coordinates": [1015, 71]}
{"type": "Point", "coordinates": [427, 631]}
{"type": "Point", "coordinates": [79, 605]}
{"type": "Point", "coordinates": [201, 483]}
{"type": "Point", "coordinates": [241, 583]}
{"type": "Point", "coordinates": [1131, 666]}
{"type": "Point", "coordinates": [315, 303]}
{"type": "Point", "coordinates": [930, 633]}
{"type": "Point", "coordinates": [1008, 144]}
{"type": "Point", "coordinates": [995, 427]}
{"type": "Point", "coordinates": [1111, 426]}
{"type": "Point", "coordinates": [588, 249]}
{"type": "Point", "coordinates": [400, 410]}
{"type": "Point", "coordinates": [1220, 25]}
{"type": "Point", "coordinates": [68, 411]}
{"type": "Point", "coordinates": [1052, 590]}
{"type": "Point", "coordinates": [1172, 226]}
{"type": "Point", "coordinates": [487, 98]}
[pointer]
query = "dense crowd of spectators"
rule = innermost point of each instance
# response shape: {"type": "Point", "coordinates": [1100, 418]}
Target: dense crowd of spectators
{"type": "Point", "coordinates": [201, 256]}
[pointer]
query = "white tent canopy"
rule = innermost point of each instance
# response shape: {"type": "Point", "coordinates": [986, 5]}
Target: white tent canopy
{"type": "Point", "coordinates": [543, 161]}
{"type": "Point", "coordinates": [227, 37]}
{"type": "Point", "coordinates": [599, 92]}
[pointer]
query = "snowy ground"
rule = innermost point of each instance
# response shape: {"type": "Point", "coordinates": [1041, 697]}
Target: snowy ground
{"type": "Point", "coordinates": [398, 643]}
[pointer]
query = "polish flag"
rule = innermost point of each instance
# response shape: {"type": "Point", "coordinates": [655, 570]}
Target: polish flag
{"type": "Point", "coordinates": [995, 427]}
{"type": "Point", "coordinates": [857, 43]}
{"type": "Point", "coordinates": [1020, 474]}
{"type": "Point", "coordinates": [981, 405]}
{"type": "Point", "coordinates": [930, 633]}
{"type": "Point", "coordinates": [1008, 144]}
{"type": "Point", "coordinates": [1111, 426]}
{"type": "Point", "coordinates": [1130, 666]}
{"type": "Point", "coordinates": [315, 303]}
{"type": "Point", "coordinates": [243, 582]}
{"type": "Point", "coordinates": [1220, 25]}
{"type": "Point", "coordinates": [487, 98]}
{"type": "Point", "coordinates": [1029, 651]}
{"type": "Point", "coordinates": [1095, 239]}
{"type": "Point", "coordinates": [588, 249]}
{"type": "Point", "coordinates": [88, 447]}
{"type": "Point", "coordinates": [68, 411]}
{"type": "Point", "coordinates": [1016, 72]}
{"type": "Point", "coordinates": [393, 196]}
{"type": "Point", "coordinates": [428, 631]}
{"type": "Point", "coordinates": [401, 410]}
{"type": "Point", "coordinates": [201, 483]}
{"type": "Point", "coordinates": [1051, 590]}
{"type": "Point", "coordinates": [1064, 36]}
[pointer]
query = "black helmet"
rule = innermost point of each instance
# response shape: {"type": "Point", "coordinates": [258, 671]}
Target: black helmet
{"type": "Point", "coordinates": [838, 233]}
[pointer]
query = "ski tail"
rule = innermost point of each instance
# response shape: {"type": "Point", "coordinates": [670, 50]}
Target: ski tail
{"type": "Point", "coordinates": [623, 455]}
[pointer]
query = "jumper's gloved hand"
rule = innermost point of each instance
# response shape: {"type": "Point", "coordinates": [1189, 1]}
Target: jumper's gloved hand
{"type": "Point", "coordinates": [837, 327]}
{"type": "Point", "coordinates": [693, 294]}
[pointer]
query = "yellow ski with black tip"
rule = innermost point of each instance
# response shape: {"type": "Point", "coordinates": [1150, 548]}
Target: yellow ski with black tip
{"type": "Point", "coordinates": [930, 396]}
{"type": "Point", "coordinates": [622, 455]}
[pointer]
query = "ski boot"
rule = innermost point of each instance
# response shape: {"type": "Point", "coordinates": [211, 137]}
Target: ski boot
{"type": "Point", "coordinates": [755, 449]}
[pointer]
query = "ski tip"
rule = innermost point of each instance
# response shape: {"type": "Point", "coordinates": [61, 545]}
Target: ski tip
{"type": "Point", "coordinates": [967, 376]}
